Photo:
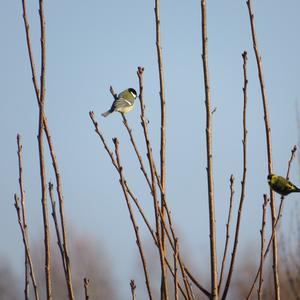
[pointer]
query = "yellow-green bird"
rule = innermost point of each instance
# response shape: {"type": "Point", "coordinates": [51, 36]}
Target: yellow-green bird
{"type": "Point", "coordinates": [281, 185]}
{"type": "Point", "coordinates": [124, 102]}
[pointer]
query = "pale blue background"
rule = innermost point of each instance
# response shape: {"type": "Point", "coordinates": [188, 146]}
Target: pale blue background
{"type": "Point", "coordinates": [94, 44]}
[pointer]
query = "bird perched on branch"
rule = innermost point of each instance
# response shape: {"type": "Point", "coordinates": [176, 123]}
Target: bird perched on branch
{"type": "Point", "coordinates": [281, 185]}
{"type": "Point", "coordinates": [123, 103]}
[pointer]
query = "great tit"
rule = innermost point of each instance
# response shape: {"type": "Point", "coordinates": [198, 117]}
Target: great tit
{"type": "Point", "coordinates": [281, 185]}
{"type": "Point", "coordinates": [124, 102]}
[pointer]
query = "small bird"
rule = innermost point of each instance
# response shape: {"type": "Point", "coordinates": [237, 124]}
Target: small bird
{"type": "Point", "coordinates": [124, 102]}
{"type": "Point", "coordinates": [281, 185]}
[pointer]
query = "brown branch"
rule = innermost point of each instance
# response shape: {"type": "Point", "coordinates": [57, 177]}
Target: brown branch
{"type": "Point", "coordinates": [40, 95]}
{"type": "Point", "coordinates": [276, 222]}
{"type": "Point", "coordinates": [23, 207]}
{"type": "Point", "coordinates": [227, 230]}
{"type": "Point", "coordinates": [210, 179]}
{"type": "Point", "coordinates": [129, 130]}
{"type": "Point", "coordinates": [269, 147]}
{"type": "Point", "coordinates": [42, 153]}
{"type": "Point", "coordinates": [133, 288]}
{"type": "Point", "coordinates": [58, 235]}
{"type": "Point", "coordinates": [68, 273]}
{"type": "Point", "coordinates": [26, 246]}
{"type": "Point", "coordinates": [136, 202]}
{"type": "Point", "coordinates": [262, 247]}
{"type": "Point", "coordinates": [175, 256]}
{"type": "Point", "coordinates": [114, 162]}
{"type": "Point", "coordinates": [243, 183]}
{"type": "Point", "coordinates": [132, 217]}
{"type": "Point", "coordinates": [164, 288]}
{"type": "Point", "coordinates": [86, 283]}
{"type": "Point", "coordinates": [153, 186]}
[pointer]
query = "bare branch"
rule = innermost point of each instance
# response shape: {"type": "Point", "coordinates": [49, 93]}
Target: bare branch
{"type": "Point", "coordinates": [23, 207]}
{"type": "Point", "coordinates": [210, 178]}
{"type": "Point", "coordinates": [132, 217]}
{"type": "Point", "coordinates": [26, 246]}
{"type": "Point", "coordinates": [269, 147]}
{"type": "Point", "coordinates": [227, 230]}
{"type": "Point", "coordinates": [262, 247]}
{"type": "Point", "coordinates": [58, 235]}
{"type": "Point", "coordinates": [243, 183]}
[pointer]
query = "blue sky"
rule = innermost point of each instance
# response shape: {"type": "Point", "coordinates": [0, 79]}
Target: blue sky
{"type": "Point", "coordinates": [94, 44]}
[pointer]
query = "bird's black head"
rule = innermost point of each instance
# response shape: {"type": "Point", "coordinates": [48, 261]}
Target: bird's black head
{"type": "Point", "coordinates": [132, 91]}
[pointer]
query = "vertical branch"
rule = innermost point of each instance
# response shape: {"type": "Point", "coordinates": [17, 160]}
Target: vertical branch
{"type": "Point", "coordinates": [54, 216]}
{"type": "Point", "coordinates": [210, 180]}
{"type": "Point", "coordinates": [86, 282]}
{"type": "Point", "coordinates": [23, 207]}
{"type": "Point", "coordinates": [68, 273]}
{"type": "Point", "coordinates": [43, 126]}
{"type": "Point", "coordinates": [227, 230]}
{"type": "Point", "coordinates": [162, 140]}
{"type": "Point", "coordinates": [175, 255]}
{"type": "Point", "coordinates": [262, 247]}
{"type": "Point", "coordinates": [243, 183]}
{"type": "Point", "coordinates": [41, 153]}
{"type": "Point", "coordinates": [162, 253]}
{"type": "Point", "coordinates": [133, 288]}
{"type": "Point", "coordinates": [26, 246]}
{"type": "Point", "coordinates": [134, 224]}
{"type": "Point", "coordinates": [269, 148]}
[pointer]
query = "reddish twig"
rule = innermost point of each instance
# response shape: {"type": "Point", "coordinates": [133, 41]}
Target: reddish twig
{"type": "Point", "coordinates": [227, 230]}
{"type": "Point", "coordinates": [210, 179]}
{"type": "Point", "coordinates": [243, 183]}
{"type": "Point", "coordinates": [269, 147]}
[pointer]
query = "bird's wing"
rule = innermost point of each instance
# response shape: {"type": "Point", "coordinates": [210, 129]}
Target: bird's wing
{"type": "Point", "coordinates": [121, 102]}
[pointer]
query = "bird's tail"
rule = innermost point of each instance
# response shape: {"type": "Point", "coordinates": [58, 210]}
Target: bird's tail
{"type": "Point", "coordinates": [105, 114]}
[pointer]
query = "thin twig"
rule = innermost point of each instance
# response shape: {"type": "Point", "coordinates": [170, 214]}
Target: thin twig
{"type": "Point", "coordinates": [114, 162]}
{"type": "Point", "coordinates": [86, 283]}
{"type": "Point", "coordinates": [210, 178]}
{"type": "Point", "coordinates": [275, 225]}
{"type": "Point", "coordinates": [262, 246]}
{"type": "Point", "coordinates": [269, 147]}
{"type": "Point", "coordinates": [58, 235]}
{"type": "Point", "coordinates": [23, 207]}
{"type": "Point", "coordinates": [132, 288]}
{"type": "Point", "coordinates": [144, 123]}
{"type": "Point", "coordinates": [40, 95]}
{"type": "Point", "coordinates": [42, 153]}
{"type": "Point", "coordinates": [68, 273]}
{"type": "Point", "coordinates": [243, 183]}
{"type": "Point", "coordinates": [227, 230]}
{"type": "Point", "coordinates": [164, 288]}
{"type": "Point", "coordinates": [175, 256]}
{"type": "Point", "coordinates": [26, 246]}
{"type": "Point", "coordinates": [132, 217]}
{"type": "Point", "coordinates": [136, 201]}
